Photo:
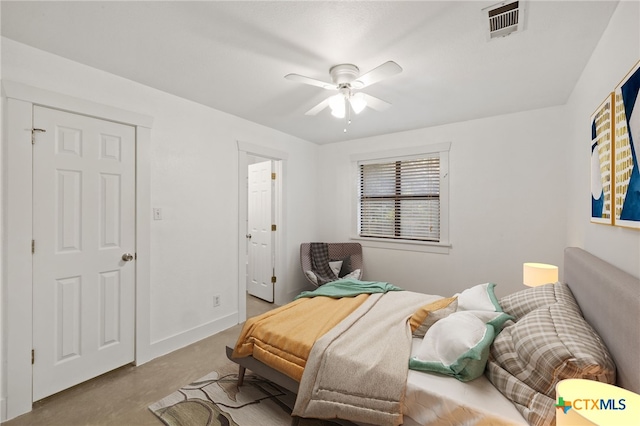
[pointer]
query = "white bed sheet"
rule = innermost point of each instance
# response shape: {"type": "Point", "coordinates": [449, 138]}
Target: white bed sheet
{"type": "Point", "coordinates": [434, 399]}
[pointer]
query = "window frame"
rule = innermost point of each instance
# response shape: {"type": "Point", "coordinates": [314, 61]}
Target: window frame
{"type": "Point", "coordinates": [442, 150]}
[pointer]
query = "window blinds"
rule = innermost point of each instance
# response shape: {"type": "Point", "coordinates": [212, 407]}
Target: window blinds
{"type": "Point", "coordinates": [401, 199]}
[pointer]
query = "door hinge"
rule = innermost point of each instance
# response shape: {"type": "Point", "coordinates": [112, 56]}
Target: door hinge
{"type": "Point", "coordinates": [273, 227]}
{"type": "Point", "coordinates": [273, 279]}
{"type": "Point", "coordinates": [33, 134]}
{"type": "Point", "coordinates": [33, 246]}
{"type": "Point", "coordinates": [273, 176]}
{"type": "Point", "coordinates": [33, 356]}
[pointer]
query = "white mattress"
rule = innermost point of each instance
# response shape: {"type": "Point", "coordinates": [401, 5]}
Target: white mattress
{"type": "Point", "coordinates": [434, 399]}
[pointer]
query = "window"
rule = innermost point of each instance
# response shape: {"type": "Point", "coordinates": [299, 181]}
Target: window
{"type": "Point", "coordinates": [403, 198]}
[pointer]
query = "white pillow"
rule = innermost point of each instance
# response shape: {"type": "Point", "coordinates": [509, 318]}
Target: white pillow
{"type": "Point", "coordinates": [451, 337]}
{"type": "Point", "coordinates": [311, 276]}
{"type": "Point", "coordinates": [335, 266]}
{"type": "Point", "coordinates": [479, 298]}
{"type": "Point", "coordinates": [457, 345]}
{"type": "Point", "coordinates": [494, 319]}
{"type": "Point", "coordinates": [429, 314]}
{"type": "Point", "coordinates": [355, 275]}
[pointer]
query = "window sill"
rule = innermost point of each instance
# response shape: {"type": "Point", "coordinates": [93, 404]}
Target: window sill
{"type": "Point", "coordinates": [418, 246]}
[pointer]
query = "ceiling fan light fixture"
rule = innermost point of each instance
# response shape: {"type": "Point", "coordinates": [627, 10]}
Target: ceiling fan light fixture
{"type": "Point", "coordinates": [346, 78]}
{"type": "Point", "coordinates": [358, 102]}
{"type": "Point", "coordinates": [337, 113]}
{"type": "Point", "coordinates": [337, 106]}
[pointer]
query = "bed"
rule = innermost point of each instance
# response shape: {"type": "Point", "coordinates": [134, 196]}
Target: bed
{"type": "Point", "coordinates": [515, 387]}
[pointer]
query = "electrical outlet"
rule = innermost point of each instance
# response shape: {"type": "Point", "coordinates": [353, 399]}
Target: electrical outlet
{"type": "Point", "coordinates": [216, 300]}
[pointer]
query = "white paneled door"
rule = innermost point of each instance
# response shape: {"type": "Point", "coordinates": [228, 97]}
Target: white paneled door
{"type": "Point", "coordinates": [83, 248]}
{"type": "Point", "coordinates": [260, 205]}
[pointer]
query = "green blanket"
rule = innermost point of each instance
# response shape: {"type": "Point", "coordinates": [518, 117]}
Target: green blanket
{"type": "Point", "coordinates": [349, 287]}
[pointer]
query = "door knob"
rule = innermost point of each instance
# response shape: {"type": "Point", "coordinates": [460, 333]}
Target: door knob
{"type": "Point", "coordinates": [248, 236]}
{"type": "Point", "coordinates": [127, 257]}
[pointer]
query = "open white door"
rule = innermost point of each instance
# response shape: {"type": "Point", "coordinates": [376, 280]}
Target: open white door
{"type": "Point", "coordinates": [259, 219]}
{"type": "Point", "coordinates": [83, 250]}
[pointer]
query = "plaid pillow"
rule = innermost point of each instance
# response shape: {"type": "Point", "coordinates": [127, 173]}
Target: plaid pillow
{"type": "Point", "coordinates": [536, 408]}
{"type": "Point", "coordinates": [521, 303]}
{"type": "Point", "coordinates": [550, 341]}
{"type": "Point", "coordinates": [552, 344]}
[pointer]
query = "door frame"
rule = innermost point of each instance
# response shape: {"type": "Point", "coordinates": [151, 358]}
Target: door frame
{"type": "Point", "coordinates": [17, 197]}
{"type": "Point", "coordinates": [280, 165]}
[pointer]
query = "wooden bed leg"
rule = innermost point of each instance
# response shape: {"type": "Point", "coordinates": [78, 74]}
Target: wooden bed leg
{"type": "Point", "coordinates": [295, 420]}
{"type": "Point", "coordinates": [241, 375]}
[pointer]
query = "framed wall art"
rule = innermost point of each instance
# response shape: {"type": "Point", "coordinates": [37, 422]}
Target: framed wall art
{"type": "Point", "coordinates": [601, 167]}
{"type": "Point", "coordinates": [626, 135]}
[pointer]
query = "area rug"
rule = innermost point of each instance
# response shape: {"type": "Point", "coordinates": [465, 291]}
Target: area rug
{"type": "Point", "coordinates": [215, 399]}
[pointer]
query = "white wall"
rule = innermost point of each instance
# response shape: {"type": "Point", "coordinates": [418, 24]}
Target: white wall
{"type": "Point", "coordinates": [507, 202]}
{"type": "Point", "coordinates": [519, 189]}
{"type": "Point", "coordinates": [519, 185]}
{"type": "Point", "coordinates": [194, 179]}
{"type": "Point", "coordinates": [3, 357]}
{"type": "Point", "coordinates": [616, 53]}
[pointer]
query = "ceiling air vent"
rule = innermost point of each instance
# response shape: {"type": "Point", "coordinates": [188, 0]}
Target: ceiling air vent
{"type": "Point", "coordinates": [504, 18]}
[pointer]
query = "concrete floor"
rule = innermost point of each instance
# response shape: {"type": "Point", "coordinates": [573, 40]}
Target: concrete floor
{"type": "Point", "coordinates": [121, 397]}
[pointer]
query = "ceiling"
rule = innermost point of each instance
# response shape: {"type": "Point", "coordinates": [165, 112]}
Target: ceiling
{"type": "Point", "coordinates": [233, 56]}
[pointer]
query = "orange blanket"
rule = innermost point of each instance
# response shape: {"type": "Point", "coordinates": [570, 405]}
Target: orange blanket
{"type": "Point", "coordinates": [282, 338]}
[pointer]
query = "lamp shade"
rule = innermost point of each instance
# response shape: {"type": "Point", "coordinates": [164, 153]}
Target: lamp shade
{"type": "Point", "coordinates": [535, 274]}
{"type": "Point", "coordinates": [358, 102]}
{"type": "Point", "coordinates": [337, 105]}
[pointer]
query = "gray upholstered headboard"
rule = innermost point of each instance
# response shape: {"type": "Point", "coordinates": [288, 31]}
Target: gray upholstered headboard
{"type": "Point", "coordinates": [610, 302]}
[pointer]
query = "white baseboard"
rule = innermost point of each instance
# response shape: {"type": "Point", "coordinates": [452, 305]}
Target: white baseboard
{"type": "Point", "coordinates": [180, 340]}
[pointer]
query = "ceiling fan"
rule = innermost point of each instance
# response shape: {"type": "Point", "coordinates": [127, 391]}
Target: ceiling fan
{"type": "Point", "coordinates": [345, 79]}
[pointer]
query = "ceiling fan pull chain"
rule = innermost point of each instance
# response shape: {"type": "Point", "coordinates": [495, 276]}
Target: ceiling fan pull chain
{"type": "Point", "coordinates": [347, 117]}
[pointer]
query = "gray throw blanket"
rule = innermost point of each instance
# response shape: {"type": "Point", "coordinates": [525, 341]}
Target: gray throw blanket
{"type": "Point", "coordinates": [358, 370]}
{"type": "Point", "coordinates": [320, 263]}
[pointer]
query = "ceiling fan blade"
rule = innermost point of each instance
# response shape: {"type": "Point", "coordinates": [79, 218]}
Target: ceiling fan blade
{"type": "Point", "coordinates": [311, 81]}
{"type": "Point", "coordinates": [322, 105]}
{"type": "Point", "coordinates": [376, 103]}
{"type": "Point", "coordinates": [375, 75]}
